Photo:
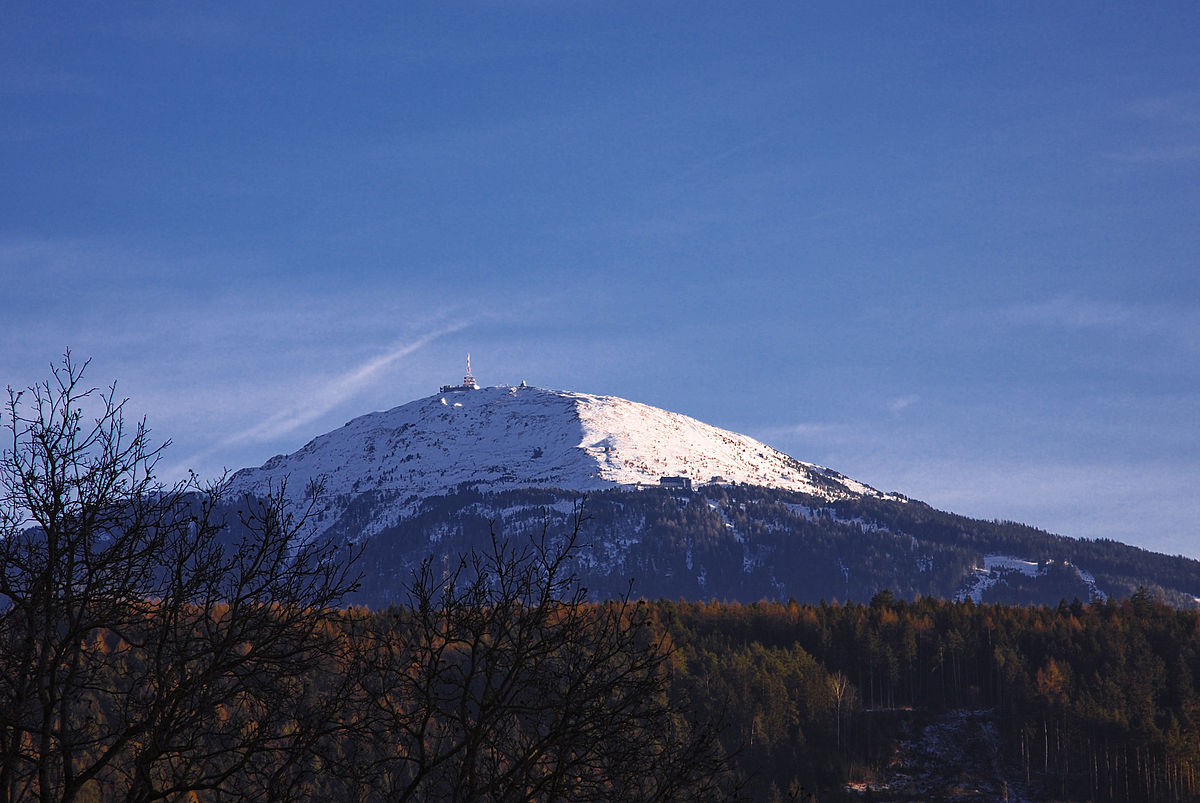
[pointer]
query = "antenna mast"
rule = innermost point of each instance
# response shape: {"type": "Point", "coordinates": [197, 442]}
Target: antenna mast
{"type": "Point", "coordinates": [468, 380]}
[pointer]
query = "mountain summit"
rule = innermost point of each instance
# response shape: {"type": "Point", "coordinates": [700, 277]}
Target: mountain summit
{"type": "Point", "coordinates": [509, 437]}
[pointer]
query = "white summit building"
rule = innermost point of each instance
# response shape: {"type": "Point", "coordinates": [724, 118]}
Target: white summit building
{"type": "Point", "coordinates": [468, 382]}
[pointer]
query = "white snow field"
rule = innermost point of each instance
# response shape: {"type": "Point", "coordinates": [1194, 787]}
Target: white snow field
{"type": "Point", "coordinates": [506, 437]}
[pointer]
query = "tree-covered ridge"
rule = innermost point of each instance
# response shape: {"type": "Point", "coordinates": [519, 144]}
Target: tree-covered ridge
{"type": "Point", "coordinates": [1119, 567]}
{"type": "Point", "coordinates": [747, 543]}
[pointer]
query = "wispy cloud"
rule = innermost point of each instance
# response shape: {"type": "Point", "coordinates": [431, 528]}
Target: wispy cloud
{"type": "Point", "coordinates": [324, 398]}
{"type": "Point", "coordinates": [1181, 108]}
{"type": "Point", "coordinates": [810, 429]}
{"type": "Point", "coordinates": [1185, 152]}
{"type": "Point", "coordinates": [824, 443]}
{"type": "Point", "coordinates": [1069, 312]}
{"type": "Point", "coordinates": [1167, 132]}
{"type": "Point", "coordinates": [1176, 325]}
{"type": "Point", "coordinates": [902, 402]}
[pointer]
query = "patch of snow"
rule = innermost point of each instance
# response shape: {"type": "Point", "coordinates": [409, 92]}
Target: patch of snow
{"type": "Point", "coordinates": [993, 563]}
{"type": "Point", "coordinates": [996, 566]}
{"type": "Point", "coordinates": [986, 576]}
{"type": "Point", "coordinates": [801, 510]}
{"type": "Point", "coordinates": [812, 514]}
{"type": "Point", "coordinates": [737, 535]}
{"type": "Point", "coordinates": [1090, 579]}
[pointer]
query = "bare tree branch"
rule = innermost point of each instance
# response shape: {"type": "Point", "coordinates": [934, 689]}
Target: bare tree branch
{"type": "Point", "coordinates": [139, 657]}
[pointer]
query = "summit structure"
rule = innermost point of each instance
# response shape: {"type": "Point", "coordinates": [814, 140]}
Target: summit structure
{"type": "Point", "coordinates": [467, 384]}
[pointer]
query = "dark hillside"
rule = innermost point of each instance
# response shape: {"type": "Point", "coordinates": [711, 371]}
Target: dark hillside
{"type": "Point", "coordinates": [745, 543]}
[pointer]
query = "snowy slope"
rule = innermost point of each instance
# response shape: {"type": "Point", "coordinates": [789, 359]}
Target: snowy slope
{"type": "Point", "coordinates": [501, 438]}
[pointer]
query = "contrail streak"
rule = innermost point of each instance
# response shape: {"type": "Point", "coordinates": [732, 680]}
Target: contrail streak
{"type": "Point", "coordinates": [315, 404]}
{"type": "Point", "coordinates": [333, 394]}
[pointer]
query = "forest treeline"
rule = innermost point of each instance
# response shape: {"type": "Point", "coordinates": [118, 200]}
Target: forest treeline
{"type": "Point", "coordinates": [669, 700]}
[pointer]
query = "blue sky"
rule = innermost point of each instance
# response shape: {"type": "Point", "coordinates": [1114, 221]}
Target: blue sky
{"type": "Point", "coordinates": [950, 249]}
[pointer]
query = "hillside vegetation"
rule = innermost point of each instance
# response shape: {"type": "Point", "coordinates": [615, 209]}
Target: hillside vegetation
{"type": "Point", "coordinates": [746, 543]}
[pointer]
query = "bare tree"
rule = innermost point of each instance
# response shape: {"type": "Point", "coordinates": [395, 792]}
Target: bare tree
{"type": "Point", "coordinates": [845, 698]}
{"type": "Point", "coordinates": [499, 682]}
{"type": "Point", "coordinates": [151, 649]}
{"type": "Point", "coordinates": [139, 657]}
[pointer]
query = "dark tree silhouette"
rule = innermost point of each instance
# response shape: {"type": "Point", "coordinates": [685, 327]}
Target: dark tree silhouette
{"type": "Point", "coordinates": [140, 658]}
{"type": "Point", "coordinates": [499, 682]}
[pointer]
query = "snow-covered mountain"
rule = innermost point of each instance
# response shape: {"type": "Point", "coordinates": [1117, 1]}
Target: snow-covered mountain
{"type": "Point", "coordinates": [435, 477]}
{"type": "Point", "coordinates": [506, 437]}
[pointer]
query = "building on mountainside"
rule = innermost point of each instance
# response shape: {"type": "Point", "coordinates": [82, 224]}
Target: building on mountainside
{"type": "Point", "coordinates": [467, 384]}
{"type": "Point", "coordinates": [675, 482]}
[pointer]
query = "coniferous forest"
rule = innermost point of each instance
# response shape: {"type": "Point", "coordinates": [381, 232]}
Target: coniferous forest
{"type": "Point", "coordinates": [1085, 702]}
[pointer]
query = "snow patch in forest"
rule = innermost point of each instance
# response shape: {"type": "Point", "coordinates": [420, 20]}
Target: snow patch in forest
{"type": "Point", "coordinates": [995, 567]}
